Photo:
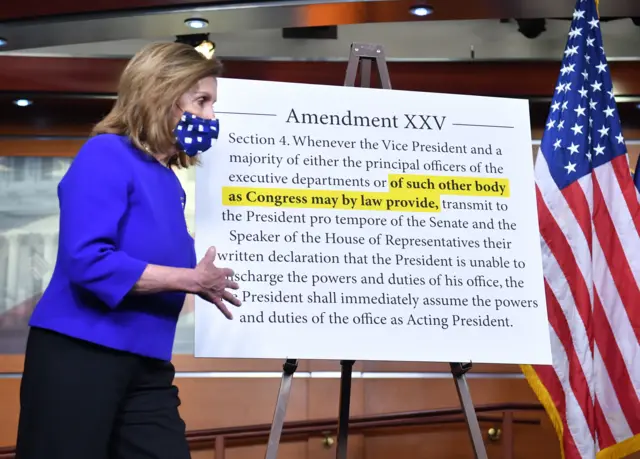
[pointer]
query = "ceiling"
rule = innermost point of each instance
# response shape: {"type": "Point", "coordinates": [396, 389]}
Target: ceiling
{"type": "Point", "coordinates": [445, 9]}
{"type": "Point", "coordinates": [26, 10]}
{"type": "Point", "coordinates": [458, 29]}
{"type": "Point", "coordinates": [437, 40]}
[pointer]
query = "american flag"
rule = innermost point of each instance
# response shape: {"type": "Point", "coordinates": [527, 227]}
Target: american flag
{"type": "Point", "coordinates": [589, 216]}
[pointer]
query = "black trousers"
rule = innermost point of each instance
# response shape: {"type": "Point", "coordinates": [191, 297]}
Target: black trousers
{"type": "Point", "coordinates": [82, 401]}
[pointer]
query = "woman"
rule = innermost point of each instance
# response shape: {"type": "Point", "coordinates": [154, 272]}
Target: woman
{"type": "Point", "coordinates": [98, 382]}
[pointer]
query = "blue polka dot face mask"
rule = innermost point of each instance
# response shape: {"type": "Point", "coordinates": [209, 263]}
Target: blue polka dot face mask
{"type": "Point", "coordinates": [194, 134]}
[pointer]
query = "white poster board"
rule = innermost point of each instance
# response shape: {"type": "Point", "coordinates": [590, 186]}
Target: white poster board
{"type": "Point", "coordinates": [370, 224]}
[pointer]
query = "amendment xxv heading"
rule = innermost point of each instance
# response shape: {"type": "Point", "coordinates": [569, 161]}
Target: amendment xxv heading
{"type": "Point", "coordinates": [415, 121]}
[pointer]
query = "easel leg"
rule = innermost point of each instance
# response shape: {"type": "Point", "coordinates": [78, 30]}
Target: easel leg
{"type": "Point", "coordinates": [288, 369]}
{"type": "Point", "coordinates": [459, 370]}
{"type": "Point", "coordinates": [345, 404]}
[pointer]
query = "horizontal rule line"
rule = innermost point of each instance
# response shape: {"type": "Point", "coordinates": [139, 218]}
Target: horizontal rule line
{"type": "Point", "coordinates": [483, 125]}
{"type": "Point", "coordinates": [249, 114]}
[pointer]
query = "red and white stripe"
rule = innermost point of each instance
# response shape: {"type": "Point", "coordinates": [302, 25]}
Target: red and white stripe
{"type": "Point", "coordinates": [590, 238]}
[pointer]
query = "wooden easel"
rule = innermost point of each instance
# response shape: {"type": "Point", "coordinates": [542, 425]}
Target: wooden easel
{"type": "Point", "coordinates": [366, 54]}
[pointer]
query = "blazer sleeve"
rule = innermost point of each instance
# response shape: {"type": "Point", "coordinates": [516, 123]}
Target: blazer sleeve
{"type": "Point", "coordinates": [94, 197]}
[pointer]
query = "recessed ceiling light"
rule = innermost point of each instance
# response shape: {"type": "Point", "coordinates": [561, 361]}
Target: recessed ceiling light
{"type": "Point", "coordinates": [3, 42]}
{"type": "Point", "coordinates": [421, 10]}
{"type": "Point", "coordinates": [22, 102]}
{"type": "Point", "coordinates": [196, 23]}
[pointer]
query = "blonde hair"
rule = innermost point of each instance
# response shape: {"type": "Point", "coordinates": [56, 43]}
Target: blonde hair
{"type": "Point", "coordinates": [149, 89]}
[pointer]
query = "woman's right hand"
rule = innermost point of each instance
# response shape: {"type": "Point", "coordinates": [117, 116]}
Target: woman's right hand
{"type": "Point", "coordinates": [213, 283]}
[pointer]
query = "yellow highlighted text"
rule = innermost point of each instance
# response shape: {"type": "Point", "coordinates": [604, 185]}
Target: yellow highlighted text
{"type": "Point", "coordinates": [329, 199]}
{"type": "Point", "coordinates": [408, 193]}
{"type": "Point", "coordinates": [467, 186]}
